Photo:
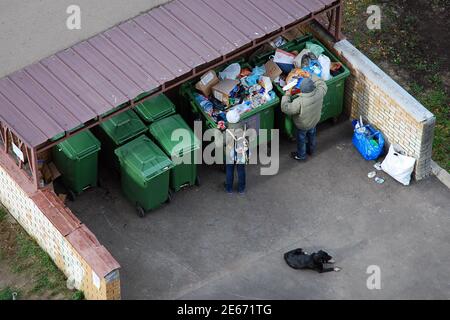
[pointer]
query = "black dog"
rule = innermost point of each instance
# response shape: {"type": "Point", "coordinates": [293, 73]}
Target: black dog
{"type": "Point", "coordinates": [299, 259]}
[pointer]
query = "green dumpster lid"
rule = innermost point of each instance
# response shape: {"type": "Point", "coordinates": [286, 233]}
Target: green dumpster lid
{"type": "Point", "coordinates": [143, 157]}
{"type": "Point", "coordinates": [155, 108]}
{"type": "Point", "coordinates": [123, 127]}
{"type": "Point", "coordinates": [162, 132]}
{"type": "Point", "coordinates": [80, 146]}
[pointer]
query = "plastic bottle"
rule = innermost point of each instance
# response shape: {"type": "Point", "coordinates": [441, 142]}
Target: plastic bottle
{"type": "Point", "coordinates": [204, 102]}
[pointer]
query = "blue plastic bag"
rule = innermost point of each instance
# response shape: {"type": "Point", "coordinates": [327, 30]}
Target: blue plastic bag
{"type": "Point", "coordinates": [368, 141]}
{"type": "Point", "coordinates": [314, 67]}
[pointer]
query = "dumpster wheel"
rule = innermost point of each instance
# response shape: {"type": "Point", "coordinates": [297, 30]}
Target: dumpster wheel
{"type": "Point", "coordinates": [140, 211]}
{"type": "Point", "coordinates": [197, 181]}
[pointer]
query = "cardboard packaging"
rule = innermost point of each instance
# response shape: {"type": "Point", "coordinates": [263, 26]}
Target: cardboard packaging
{"type": "Point", "coordinates": [49, 172]}
{"type": "Point", "coordinates": [222, 90]}
{"type": "Point", "coordinates": [273, 71]}
{"type": "Point", "coordinates": [207, 81]}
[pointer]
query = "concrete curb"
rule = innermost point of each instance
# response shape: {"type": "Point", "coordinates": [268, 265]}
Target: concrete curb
{"type": "Point", "coordinates": [441, 174]}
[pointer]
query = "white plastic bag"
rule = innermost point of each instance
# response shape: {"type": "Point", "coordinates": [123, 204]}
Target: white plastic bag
{"type": "Point", "coordinates": [325, 62]}
{"type": "Point", "coordinates": [398, 166]}
{"type": "Point", "coordinates": [299, 57]}
{"type": "Point", "coordinates": [231, 72]}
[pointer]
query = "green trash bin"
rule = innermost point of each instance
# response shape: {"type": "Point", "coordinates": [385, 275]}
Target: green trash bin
{"type": "Point", "coordinates": [116, 132]}
{"type": "Point", "coordinates": [262, 117]}
{"type": "Point", "coordinates": [333, 102]}
{"type": "Point", "coordinates": [145, 174]}
{"type": "Point", "coordinates": [155, 109]}
{"type": "Point", "coordinates": [183, 174]}
{"type": "Point", "coordinates": [77, 159]}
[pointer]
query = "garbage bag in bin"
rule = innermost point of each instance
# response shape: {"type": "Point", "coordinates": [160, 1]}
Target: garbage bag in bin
{"type": "Point", "coordinates": [368, 141]}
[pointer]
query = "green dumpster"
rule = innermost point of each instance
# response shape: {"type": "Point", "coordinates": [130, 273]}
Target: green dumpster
{"type": "Point", "coordinates": [262, 117]}
{"type": "Point", "coordinates": [145, 174]}
{"type": "Point", "coordinates": [182, 152]}
{"type": "Point", "coordinates": [116, 132]}
{"type": "Point", "coordinates": [155, 109]}
{"type": "Point", "coordinates": [334, 99]}
{"type": "Point", "coordinates": [77, 158]}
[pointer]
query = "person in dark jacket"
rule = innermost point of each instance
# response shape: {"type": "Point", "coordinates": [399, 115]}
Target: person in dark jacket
{"type": "Point", "coordinates": [306, 110]}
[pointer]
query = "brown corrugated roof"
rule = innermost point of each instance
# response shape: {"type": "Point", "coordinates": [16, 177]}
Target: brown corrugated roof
{"type": "Point", "coordinates": [79, 84]}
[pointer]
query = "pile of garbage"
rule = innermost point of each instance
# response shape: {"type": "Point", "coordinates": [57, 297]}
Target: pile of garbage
{"type": "Point", "coordinates": [238, 89]}
{"type": "Point", "coordinates": [289, 69]}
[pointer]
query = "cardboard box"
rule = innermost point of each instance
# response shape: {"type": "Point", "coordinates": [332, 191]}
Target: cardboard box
{"type": "Point", "coordinates": [207, 81]}
{"type": "Point", "coordinates": [273, 71]}
{"type": "Point", "coordinates": [222, 90]}
{"type": "Point", "coordinates": [54, 171]}
{"type": "Point", "coordinates": [50, 172]}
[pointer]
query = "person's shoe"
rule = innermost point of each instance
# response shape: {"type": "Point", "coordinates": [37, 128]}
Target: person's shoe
{"type": "Point", "coordinates": [242, 192]}
{"type": "Point", "coordinates": [310, 153]}
{"type": "Point", "coordinates": [295, 156]}
{"type": "Point", "coordinates": [226, 189]}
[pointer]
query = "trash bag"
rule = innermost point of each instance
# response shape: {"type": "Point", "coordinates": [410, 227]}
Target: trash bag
{"type": "Point", "coordinates": [325, 62]}
{"type": "Point", "coordinates": [315, 48]}
{"type": "Point", "coordinates": [299, 58]}
{"type": "Point", "coordinates": [314, 67]}
{"type": "Point", "coordinates": [231, 72]}
{"type": "Point", "coordinates": [398, 166]}
{"type": "Point", "coordinates": [368, 141]}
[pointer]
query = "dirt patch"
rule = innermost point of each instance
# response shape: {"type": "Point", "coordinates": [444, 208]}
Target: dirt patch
{"type": "Point", "coordinates": [25, 268]}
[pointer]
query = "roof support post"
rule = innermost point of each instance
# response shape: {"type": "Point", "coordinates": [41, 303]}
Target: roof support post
{"type": "Point", "coordinates": [34, 167]}
{"type": "Point", "coordinates": [5, 138]}
{"type": "Point", "coordinates": [338, 21]}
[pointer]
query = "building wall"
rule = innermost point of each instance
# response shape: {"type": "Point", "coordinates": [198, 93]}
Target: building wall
{"type": "Point", "coordinates": [372, 94]}
{"type": "Point", "coordinates": [76, 251]}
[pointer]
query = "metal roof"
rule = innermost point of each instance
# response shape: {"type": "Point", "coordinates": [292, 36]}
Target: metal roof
{"type": "Point", "coordinates": [79, 84]}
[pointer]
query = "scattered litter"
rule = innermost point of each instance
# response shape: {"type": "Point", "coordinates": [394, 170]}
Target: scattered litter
{"type": "Point", "coordinates": [372, 175]}
{"type": "Point", "coordinates": [377, 166]}
{"type": "Point", "coordinates": [379, 180]}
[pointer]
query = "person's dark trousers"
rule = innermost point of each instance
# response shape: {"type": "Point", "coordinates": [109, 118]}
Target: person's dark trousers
{"type": "Point", "coordinates": [230, 177]}
{"type": "Point", "coordinates": [306, 142]}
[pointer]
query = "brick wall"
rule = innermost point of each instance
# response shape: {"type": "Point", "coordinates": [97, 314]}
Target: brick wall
{"type": "Point", "coordinates": [371, 93]}
{"type": "Point", "coordinates": [73, 248]}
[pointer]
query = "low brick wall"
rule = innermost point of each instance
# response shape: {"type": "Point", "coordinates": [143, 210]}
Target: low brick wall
{"type": "Point", "coordinates": [372, 94]}
{"type": "Point", "coordinates": [73, 248]}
